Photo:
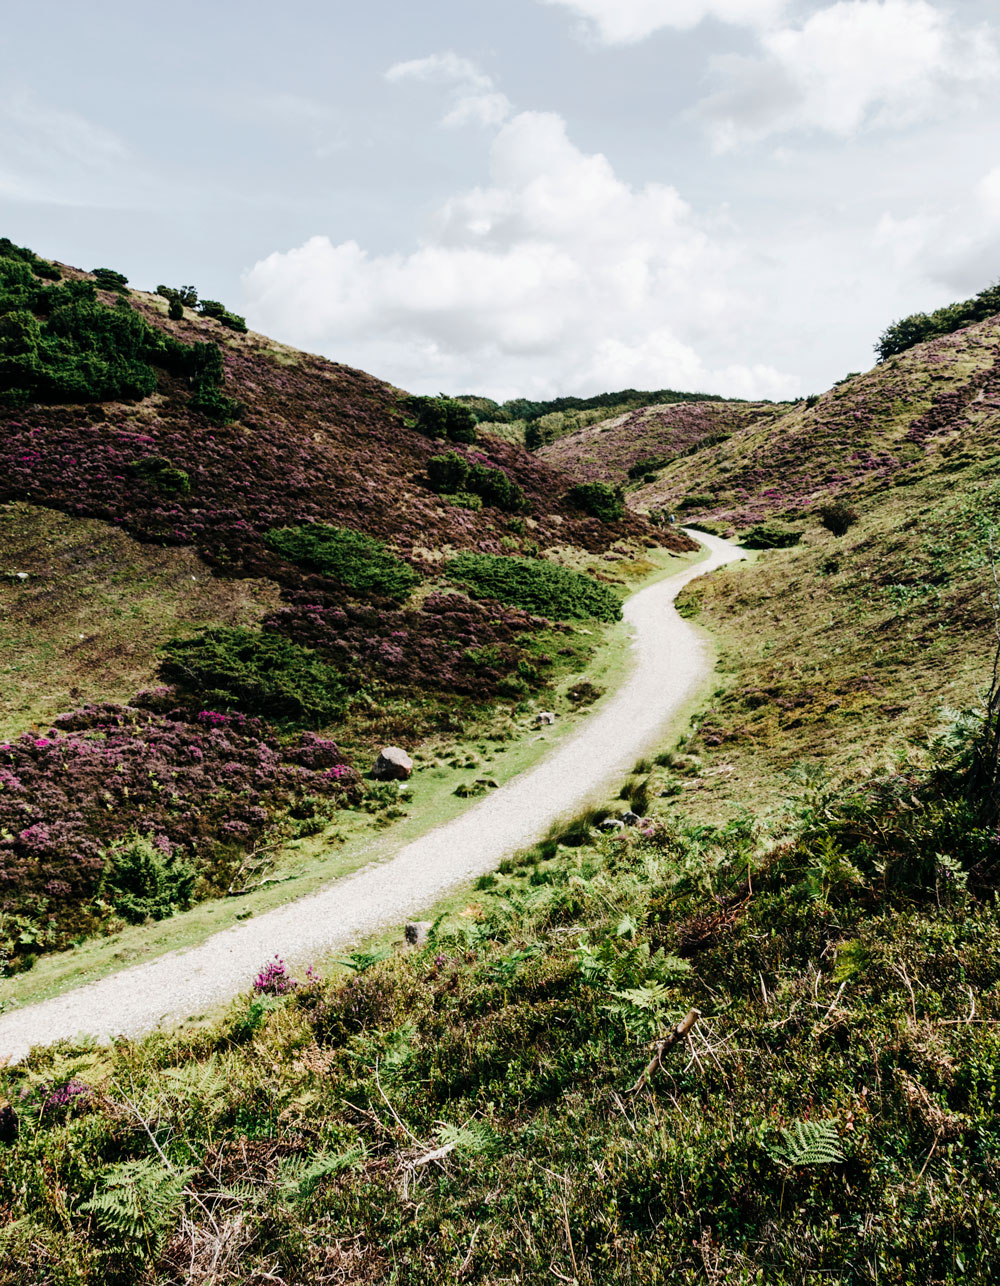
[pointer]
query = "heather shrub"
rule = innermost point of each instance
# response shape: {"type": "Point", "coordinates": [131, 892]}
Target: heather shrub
{"type": "Point", "coordinates": [357, 561]}
{"type": "Point", "coordinates": [536, 585]}
{"type": "Point", "coordinates": [146, 879]}
{"type": "Point", "coordinates": [838, 516]}
{"type": "Point", "coordinates": [447, 473]}
{"type": "Point", "coordinates": [258, 673]}
{"type": "Point", "coordinates": [598, 499]}
{"type": "Point", "coordinates": [441, 417]}
{"type": "Point", "coordinates": [770, 535]}
{"type": "Point", "coordinates": [160, 473]}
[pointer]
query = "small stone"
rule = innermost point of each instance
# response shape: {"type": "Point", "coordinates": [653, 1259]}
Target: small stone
{"type": "Point", "coordinates": [416, 932]}
{"type": "Point", "coordinates": [611, 824]}
{"type": "Point", "coordinates": [631, 819]}
{"type": "Point", "coordinates": [392, 764]}
{"type": "Point", "coordinates": [544, 717]}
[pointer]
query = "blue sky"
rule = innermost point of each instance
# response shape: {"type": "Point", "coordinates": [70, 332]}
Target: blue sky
{"type": "Point", "coordinates": [530, 197]}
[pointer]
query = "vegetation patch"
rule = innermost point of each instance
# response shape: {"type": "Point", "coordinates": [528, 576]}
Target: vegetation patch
{"type": "Point", "coordinates": [351, 558]}
{"type": "Point", "coordinates": [536, 585]}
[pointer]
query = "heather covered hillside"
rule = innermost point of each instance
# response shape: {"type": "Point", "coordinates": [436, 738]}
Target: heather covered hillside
{"type": "Point", "coordinates": [928, 412]}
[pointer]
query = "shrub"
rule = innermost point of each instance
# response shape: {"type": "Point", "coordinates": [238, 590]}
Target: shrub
{"type": "Point", "coordinates": [447, 472]}
{"type": "Point", "coordinates": [259, 673]}
{"type": "Point", "coordinates": [770, 535]}
{"type": "Point", "coordinates": [175, 310]}
{"type": "Point", "coordinates": [145, 881]}
{"type": "Point", "coordinates": [356, 561]}
{"type": "Point", "coordinates": [642, 467]}
{"type": "Point", "coordinates": [599, 499]}
{"type": "Point", "coordinates": [837, 516]}
{"type": "Point", "coordinates": [186, 296]}
{"type": "Point", "coordinates": [441, 417]}
{"type": "Point", "coordinates": [108, 279]}
{"type": "Point", "coordinates": [160, 473]}
{"type": "Point", "coordinates": [496, 488]}
{"type": "Point", "coordinates": [919, 327]}
{"type": "Point", "coordinates": [220, 313]}
{"type": "Point", "coordinates": [535, 584]}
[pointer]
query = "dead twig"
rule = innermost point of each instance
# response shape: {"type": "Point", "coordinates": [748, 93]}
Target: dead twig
{"type": "Point", "coordinates": [661, 1047]}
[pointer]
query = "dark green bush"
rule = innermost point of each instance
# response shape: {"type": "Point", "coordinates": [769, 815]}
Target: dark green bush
{"type": "Point", "coordinates": [535, 584]}
{"type": "Point", "coordinates": [215, 406]}
{"type": "Point", "coordinates": [258, 673]}
{"type": "Point", "coordinates": [143, 882]}
{"type": "Point", "coordinates": [220, 313]}
{"type": "Point", "coordinates": [770, 535]}
{"type": "Point", "coordinates": [162, 474]}
{"type": "Point", "coordinates": [598, 499]}
{"type": "Point", "coordinates": [108, 279]}
{"type": "Point", "coordinates": [441, 417]}
{"type": "Point", "coordinates": [447, 472]}
{"type": "Point", "coordinates": [186, 296]}
{"type": "Point", "coordinates": [642, 467]}
{"type": "Point", "coordinates": [919, 327]}
{"type": "Point", "coordinates": [356, 561]}
{"type": "Point", "coordinates": [40, 267]}
{"type": "Point", "coordinates": [175, 310]}
{"type": "Point", "coordinates": [837, 516]}
{"type": "Point", "coordinates": [496, 488]}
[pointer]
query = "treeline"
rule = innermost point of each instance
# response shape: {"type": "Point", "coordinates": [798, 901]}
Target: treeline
{"type": "Point", "coordinates": [919, 327]}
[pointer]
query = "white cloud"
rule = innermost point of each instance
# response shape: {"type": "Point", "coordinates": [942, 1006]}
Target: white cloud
{"type": "Point", "coordinates": [852, 64]}
{"type": "Point", "coordinates": [476, 100]}
{"type": "Point", "coordinates": [619, 22]}
{"type": "Point", "coordinates": [555, 276]}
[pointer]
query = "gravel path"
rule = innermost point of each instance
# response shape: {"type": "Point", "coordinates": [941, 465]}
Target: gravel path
{"type": "Point", "coordinates": [671, 660]}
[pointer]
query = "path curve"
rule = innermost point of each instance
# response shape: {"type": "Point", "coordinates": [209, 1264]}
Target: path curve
{"type": "Point", "coordinates": [671, 659]}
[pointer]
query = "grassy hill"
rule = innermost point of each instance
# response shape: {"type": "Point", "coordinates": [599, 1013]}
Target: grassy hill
{"type": "Point", "coordinates": [754, 1038]}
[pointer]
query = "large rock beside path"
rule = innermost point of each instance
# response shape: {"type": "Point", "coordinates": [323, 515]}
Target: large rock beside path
{"type": "Point", "coordinates": [392, 764]}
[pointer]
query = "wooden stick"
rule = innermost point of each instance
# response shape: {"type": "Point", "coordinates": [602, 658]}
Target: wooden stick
{"type": "Point", "coordinates": [678, 1034]}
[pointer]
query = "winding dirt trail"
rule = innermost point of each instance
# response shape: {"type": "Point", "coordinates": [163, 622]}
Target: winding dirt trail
{"type": "Point", "coordinates": [670, 660]}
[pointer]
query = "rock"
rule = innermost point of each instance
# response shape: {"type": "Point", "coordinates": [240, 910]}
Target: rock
{"type": "Point", "coordinates": [631, 819]}
{"type": "Point", "coordinates": [544, 717]}
{"type": "Point", "coordinates": [416, 932]}
{"type": "Point", "coordinates": [611, 824]}
{"type": "Point", "coordinates": [392, 764]}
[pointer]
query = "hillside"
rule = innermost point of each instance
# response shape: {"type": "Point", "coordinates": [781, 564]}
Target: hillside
{"type": "Point", "coordinates": [752, 1037]}
{"type": "Point", "coordinates": [230, 572]}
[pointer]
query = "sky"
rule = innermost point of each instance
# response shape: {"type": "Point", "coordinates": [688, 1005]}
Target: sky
{"type": "Point", "coordinates": [522, 197]}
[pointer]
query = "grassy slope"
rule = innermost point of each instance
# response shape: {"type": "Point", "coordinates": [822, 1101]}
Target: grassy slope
{"type": "Point", "coordinates": [843, 973]}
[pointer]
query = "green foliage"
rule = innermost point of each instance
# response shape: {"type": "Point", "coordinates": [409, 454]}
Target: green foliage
{"type": "Point", "coordinates": [448, 472]}
{"type": "Point", "coordinates": [441, 417]}
{"type": "Point", "coordinates": [770, 535]}
{"type": "Point", "coordinates": [919, 327]}
{"type": "Point", "coordinates": [260, 673]}
{"type": "Point", "coordinates": [599, 499]}
{"type": "Point", "coordinates": [220, 313]}
{"type": "Point", "coordinates": [838, 516]}
{"type": "Point", "coordinates": [108, 279]}
{"type": "Point", "coordinates": [495, 488]}
{"type": "Point", "coordinates": [162, 474]}
{"type": "Point", "coordinates": [138, 1201]}
{"type": "Point", "coordinates": [143, 883]}
{"type": "Point", "coordinates": [535, 584]}
{"type": "Point", "coordinates": [807, 1143]}
{"type": "Point", "coordinates": [40, 267]}
{"type": "Point", "coordinates": [650, 465]}
{"type": "Point", "coordinates": [185, 296]}
{"type": "Point", "coordinates": [359, 562]}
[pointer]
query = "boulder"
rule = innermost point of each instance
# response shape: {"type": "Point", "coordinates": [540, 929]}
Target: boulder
{"type": "Point", "coordinates": [416, 932]}
{"type": "Point", "coordinates": [631, 819]}
{"type": "Point", "coordinates": [544, 717]}
{"type": "Point", "coordinates": [392, 764]}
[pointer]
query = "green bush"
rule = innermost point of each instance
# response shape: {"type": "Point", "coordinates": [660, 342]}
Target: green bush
{"type": "Point", "coordinates": [770, 535]}
{"type": "Point", "coordinates": [642, 467]}
{"type": "Point", "coordinates": [536, 585]}
{"type": "Point", "coordinates": [447, 472]}
{"type": "Point", "coordinates": [258, 673]}
{"type": "Point", "coordinates": [108, 279]}
{"type": "Point", "coordinates": [175, 310]}
{"type": "Point", "coordinates": [162, 474]}
{"type": "Point", "coordinates": [186, 296]}
{"type": "Point", "coordinates": [919, 327]}
{"type": "Point", "coordinates": [598, 499]}
{"type": "Point", "coordinates": [220, 313]}
{"type": "Point", "coordinates": [142, 882]}
{"type": "Point", "coordinates": [496, 488]}
{"type": "Point", "coordinates": [40, 267]}
{"type": "Point", "coordinates": [441, 417]}
{"type": "Point", "coordinates": [356, 561]}
{"type": "Point", "coordinates": [837, 516]}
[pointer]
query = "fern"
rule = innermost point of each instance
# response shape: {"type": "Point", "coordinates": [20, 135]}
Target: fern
{"type": "Point", "coordinates": [808, 1143]}
{"type": "Point", "coordinates": [475, 1138]}
{"type": "Point", "coordinates": [300, 1176]}
{"type": "Point", "coordinates": [138, 1200]}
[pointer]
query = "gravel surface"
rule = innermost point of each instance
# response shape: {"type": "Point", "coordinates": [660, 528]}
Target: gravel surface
{"type": "Point", "coordinates": [670, 661]}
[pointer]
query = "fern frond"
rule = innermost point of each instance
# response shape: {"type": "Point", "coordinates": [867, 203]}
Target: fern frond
{"type": "Point", "coordinates": [808, 1143]}
{"type": "Point", "coordinates": [137, 1199]}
